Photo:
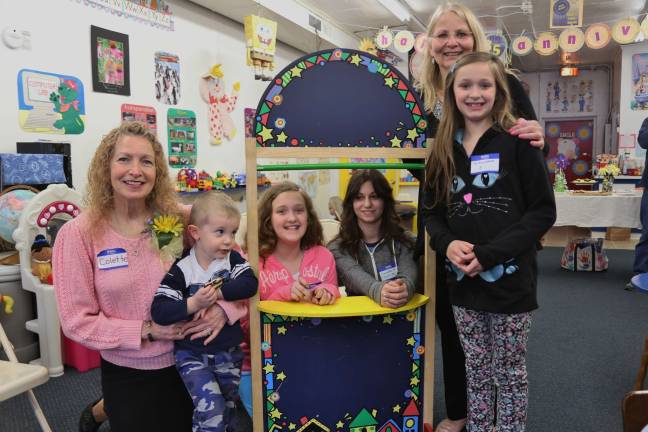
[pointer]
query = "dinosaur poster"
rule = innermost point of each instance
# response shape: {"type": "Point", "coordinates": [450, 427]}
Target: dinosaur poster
{"type": "Point", "coordinates": [50, 103]}
{"type": "Point", "coordinates": [110, 61]}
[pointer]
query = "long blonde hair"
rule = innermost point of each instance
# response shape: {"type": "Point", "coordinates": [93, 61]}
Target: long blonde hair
{"type": "Point", "coordinates": [99, 196]}
{"type": "Point", "coordinates": [440, 167]}
{"type": "Point", "coordinates": [430, 78]}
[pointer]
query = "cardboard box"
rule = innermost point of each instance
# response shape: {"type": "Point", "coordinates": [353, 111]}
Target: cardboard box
{"type": "Point", "coordinates": [614, 233]}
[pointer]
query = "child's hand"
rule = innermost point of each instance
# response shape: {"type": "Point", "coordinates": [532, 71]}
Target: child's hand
{"type": "Point", "coordinates": [460, 253]}
{"type": "Point", "coordinates": [204, 297]}
{"type": "Point", "coordinates": [299, 291]}
{"type": "Point", "coordinates": [473, 268]}
{"type": "Point", "coordinates": [393, 294]}
{"type": "Point", "coordinates": [321, 296]}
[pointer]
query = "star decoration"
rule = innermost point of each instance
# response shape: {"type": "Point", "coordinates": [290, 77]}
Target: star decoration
{"type": "Point", "coordinates": [411, 341]}
{"type": "Point", "coordinates": [268, 368]}
{"type": "Point", "coordinates": [396, 142]}
{"type": "Point", "coordinates": [292, 426]}
{"type": "Point", "coordinates": [282, 137]}
{"type": "Point", "coordinates": [414, 381]}
{"type": "Point", "coordinates": [266, 133]}
{"type": "Point", "coordinates": [339, 424]}
{"type": "Point", "coordinates": [281, 330]}
{"type": "Point", "coordinates": [411, 133]}
{"type": "Point", "coordinates": [275, 413]}
{"type": "Point", "coordinates": [387, 319]}
{"type": "Point", "coordinates": [389, 82]}
{"type": "Point", "coordinates": [355, 59]}
{"type": "Point", "coordinates": [281, 376]}
{"type": "Point", "coordinates": [396, 409]}
{"type": "Point", "coordinates": [296, 72]}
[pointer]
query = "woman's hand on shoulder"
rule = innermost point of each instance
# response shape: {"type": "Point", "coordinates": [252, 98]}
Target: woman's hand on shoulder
{"type": "Point", "coordinates": [529, 130]}
{"type": "Point", "coordinates": [393, 294]}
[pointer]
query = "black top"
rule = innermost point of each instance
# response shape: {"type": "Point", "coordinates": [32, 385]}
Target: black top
{"type": "Point", "coordinates": [642, 139]}
{"type": "Point", "coordinates": [503, 213]}
{"type": "Point", "coordinates": [522, 108]}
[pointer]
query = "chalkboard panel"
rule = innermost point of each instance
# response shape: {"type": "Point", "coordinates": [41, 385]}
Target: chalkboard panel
{"type": "Point", "coordinates": [340, 98]}
{"type": "Point", "coordinates": [353, 374]}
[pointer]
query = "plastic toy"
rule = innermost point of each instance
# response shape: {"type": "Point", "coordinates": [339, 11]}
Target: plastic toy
{"type": "Point", "coordinates": [41, 259]}
{"type": "Point", "coordinates": [239, 178]}
{"type": "Point", "coordinates": [225, 179]}
{"type": "Point", "coordinates": [187, 180]}
{"type": "Point", "coordinates": [212, 90]}
{"type": "Point", "coordinates": [263, 180]}
{"type": "Point", "coordinates": [8, 302]}
{"type": "Point", "coordinates": [205, 181]}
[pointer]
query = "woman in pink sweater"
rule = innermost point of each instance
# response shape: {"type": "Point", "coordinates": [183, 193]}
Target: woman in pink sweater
{"type": "Point", "coordinates": [106, 272]}
{"type": "Point", "coordinates": [293, 264]}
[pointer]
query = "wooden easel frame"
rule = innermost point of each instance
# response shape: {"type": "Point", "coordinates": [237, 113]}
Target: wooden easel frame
{"type": "Point", "coordinates": [252, 154]}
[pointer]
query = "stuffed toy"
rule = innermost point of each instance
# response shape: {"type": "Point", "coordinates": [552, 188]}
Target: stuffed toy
{"type": "Point", "coordinates": [41, 259]}
{"type": "Point", "coordinates": [9, 302]}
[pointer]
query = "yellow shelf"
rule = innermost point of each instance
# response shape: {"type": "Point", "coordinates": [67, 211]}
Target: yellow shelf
{"type": "Point", "coordinates": [344, 307]}
{"type": "Point", "coordinates": [414, 183]}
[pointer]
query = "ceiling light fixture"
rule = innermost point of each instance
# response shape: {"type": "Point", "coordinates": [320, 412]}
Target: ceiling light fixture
{"type": "Point", "coordinates": [397, 9]}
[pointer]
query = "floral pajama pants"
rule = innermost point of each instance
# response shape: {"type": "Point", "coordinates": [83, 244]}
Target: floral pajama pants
{"type": "Point", "coordinates": [495, 349]}
{"type": "Point", "coordinates": [212, 381]}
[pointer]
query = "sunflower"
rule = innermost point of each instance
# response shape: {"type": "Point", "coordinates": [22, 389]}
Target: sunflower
{"type": "Point", "coordinates": [166, 228]}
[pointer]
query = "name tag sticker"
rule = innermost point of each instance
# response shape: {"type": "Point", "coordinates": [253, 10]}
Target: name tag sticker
{"type": "Point", "coordinates": [109, 259]}
{"type": "Point", "coordinates": [485, 163]}
{"type": "Point", "coordinates": [388, 272]}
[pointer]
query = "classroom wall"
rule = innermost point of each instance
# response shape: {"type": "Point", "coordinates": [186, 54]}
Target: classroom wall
{"type": "Point", "coordinates": [60, 43]}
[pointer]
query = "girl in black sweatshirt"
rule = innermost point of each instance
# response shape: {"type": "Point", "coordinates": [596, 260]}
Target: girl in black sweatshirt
{"type": "Point", "coordinates": [487, 202]}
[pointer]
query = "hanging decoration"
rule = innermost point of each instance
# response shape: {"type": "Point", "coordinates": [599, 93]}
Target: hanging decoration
{"type": "Point", "coordinates": [212, 90]}
{"type": "Point", "coordinates": [597, 36]}
{"type": "Point", "coordinates": [498, 45]}
{"type": "Point", "coordinates": [546, 44]}
{"type": "Point", "coordinates": [626, 30]}
{"type": "Point", "coordinates": [420, 43]}
{"type": "Point", "coordinates": [404, 41]}
{"type": "Point", "coordinates": [571, 39]}
{"type": "Point", "coordinates": [155, 13]}
{"type": "Point", "coordinates": [367, 45]}
{"type": "Point", "coordinates": [384, 38]}
{"type": "Point", "coordinates": [261, 43]}
{"type": "Point", "coordinates": [522, 45]}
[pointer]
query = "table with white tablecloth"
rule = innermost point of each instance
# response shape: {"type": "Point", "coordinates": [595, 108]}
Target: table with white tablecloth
{"type": "Point", "coordinates": [588, 211]}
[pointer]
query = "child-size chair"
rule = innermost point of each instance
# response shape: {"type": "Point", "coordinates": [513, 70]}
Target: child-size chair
{"type": "Point", "coordinates": [16, 378]}
{"type": "Point", "coordinates": [635, 414]}
{"type": "Point", "coordinates": [44, 214]}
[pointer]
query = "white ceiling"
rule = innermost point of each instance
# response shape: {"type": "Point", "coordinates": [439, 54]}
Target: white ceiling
{"type": "Point", "coordinates": [363, 17]}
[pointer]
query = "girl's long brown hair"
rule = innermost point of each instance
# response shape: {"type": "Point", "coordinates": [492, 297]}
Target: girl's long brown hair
{"type": "Point", "coordinates": [314, 235]}
{"type": "Point", "coordinates": [350, 234]}
{"type": "Point", "coordinates": [440, 168]}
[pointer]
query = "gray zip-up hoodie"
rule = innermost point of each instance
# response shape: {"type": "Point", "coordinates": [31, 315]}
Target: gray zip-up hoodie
{"type": "Point", "coordinates": [361, 277]}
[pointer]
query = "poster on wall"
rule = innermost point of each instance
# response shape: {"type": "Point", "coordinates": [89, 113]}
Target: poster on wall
{"type": "Point", "coordinates": [110, 61]}
{"type": "Point", "coordinates": [181, 128]}
{"type": "Point", "coordinates": [566, 13]}
{"type": "Point", "coordinates": [569, 96]}
{"type": "Point", "coordinates": [571, 142]}
{"type": "Point", "coordinates": [248, 117]}
{"type": "Point", "coordinates": [141, 113]}
{"type": "Point", "coordinates": [50, 103]}
{"type": "Point", "coordinates": [167, 78]}
{"type": "Point", "coordinates": [639, 100]}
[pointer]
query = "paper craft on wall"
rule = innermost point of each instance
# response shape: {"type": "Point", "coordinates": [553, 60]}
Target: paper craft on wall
{"type": "Point", "coordinates": [110, 61]}
{"type": "Point", "coordinates": [565, 13]}
{"type": "Point", "coordinates": [50, 103]}
{"type": "Point", "coordinates": [569, 95]}
{"type": "Point", "coordinates": [261, 41]}
{"type": "Point", "coordinates": [181, 128]}
{"type": "Point", "coordinates": [639, 99]}
{"type": "Point", "coordinates": [572, 142]}
{"type": "Point", "coordinates": [167, 78]}
{"type": "Point", "coordinates": [212, 91]}
{"type": "Point", "coordinates": [141, 113]}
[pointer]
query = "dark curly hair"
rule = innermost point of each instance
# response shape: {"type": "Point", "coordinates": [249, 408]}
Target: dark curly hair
{"type": "Point", "coordinates": [314, 235]}
{"type": "Point", "coordinates": [350, 235]}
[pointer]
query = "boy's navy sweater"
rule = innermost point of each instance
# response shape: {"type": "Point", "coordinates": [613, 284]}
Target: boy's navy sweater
{"type": "Point", "coordinates": [503, 215]}
{"type": "Point", "coordinates": [170, 301]}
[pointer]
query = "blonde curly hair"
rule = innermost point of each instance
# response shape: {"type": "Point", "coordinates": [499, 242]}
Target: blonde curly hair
{"type": "Point", "coordinates": [99, 196]}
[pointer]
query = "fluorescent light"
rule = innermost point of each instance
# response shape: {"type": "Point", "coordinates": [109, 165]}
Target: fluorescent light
{"type": "Point", "coordinates": [397, 9]}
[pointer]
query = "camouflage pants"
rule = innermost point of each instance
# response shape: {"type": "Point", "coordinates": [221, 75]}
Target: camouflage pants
{"type": "Point", "coordinates": [212, 381]}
